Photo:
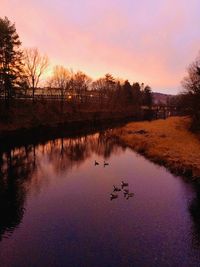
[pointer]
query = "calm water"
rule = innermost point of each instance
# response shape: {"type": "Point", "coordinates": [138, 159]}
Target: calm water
{"type": "Point", "coordinates": [55, 208]}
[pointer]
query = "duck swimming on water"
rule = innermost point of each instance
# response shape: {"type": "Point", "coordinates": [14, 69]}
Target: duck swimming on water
{"type": "Point", "coordinates": [116, 189]}
{"type": "Point", "coordinates": [96, 163]}
{"type": "Point", "coordinates": [113, 196]}
{"type": "Point", "coordinates": [129, 195]}
{"type": "Point", "coordinates": [105, 163]}
{"type": "Point", "coordinates": [123, 184]}
{"type": "Point", "coordinates": [126, 192]}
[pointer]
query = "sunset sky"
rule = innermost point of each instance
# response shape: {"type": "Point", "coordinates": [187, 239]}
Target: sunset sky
{"type": "Point", "coordinates": [150, 41]}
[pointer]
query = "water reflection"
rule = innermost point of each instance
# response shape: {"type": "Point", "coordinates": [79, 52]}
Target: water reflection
{"type": "Point", "coordinates": [194, 209]}
{"type": "Point", "coordinates": [27, 169]}
{"type": "Point", "coordinates": [20, 170]}
{"type": "Point", "coordinates": [16, 168]}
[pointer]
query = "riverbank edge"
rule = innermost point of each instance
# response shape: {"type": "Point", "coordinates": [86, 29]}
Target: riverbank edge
{"type": "Point", "coordinates": [190, 171]}
{"type": "Point", "coordinates": [23, 117]}
{"type": "Point", "coordinates": [42, 132]}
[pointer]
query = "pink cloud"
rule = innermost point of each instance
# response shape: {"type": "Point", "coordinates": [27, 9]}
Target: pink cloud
{"type": "Point", "coordinates": [147, 42]}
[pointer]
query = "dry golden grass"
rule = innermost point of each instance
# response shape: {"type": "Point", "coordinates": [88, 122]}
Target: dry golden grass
{"type": "Point", "coordinates": [168, 142]}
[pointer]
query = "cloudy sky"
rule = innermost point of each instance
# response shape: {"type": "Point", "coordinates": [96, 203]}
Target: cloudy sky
{"type": "Point", "coordinates": [150, 41]}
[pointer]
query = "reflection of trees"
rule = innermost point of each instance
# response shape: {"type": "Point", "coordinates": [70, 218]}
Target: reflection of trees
{"type": "Point", "coordinates": [66, 153]}
{"type": "Point", "coordinates": [16, 167]}
{"type": "Point", "coordinates": [194, 209]}
{"type": "Point", "coordinates": [110, 146]}
{"type": "Point", "coordinates": [21, 169]}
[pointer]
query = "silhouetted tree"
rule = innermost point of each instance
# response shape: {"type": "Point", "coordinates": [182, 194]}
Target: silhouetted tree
{"type": "Point", "coordinates": [10, 58]}
{"type": "Point", "coordinates": [100, 87]}
{"type": "Point", "coordinates": [127, 93]}
{"type": "Point", "coordinates": [80, 86]}
{"type": "Point", "coordinates": [110, 83]}
{"type": "Point", "coordinates": [118, 95]}
{"type": "Point", "coordinates": [61, 80]}
{"type": "Point", "coordinates": [191, 84]}
{"type": "Point", "coordinates": [147, 96]}
{"type": "Point", "coordinates": [35, 65]}
{"type": "Point", "coordinates": [136, 91]}
{"type": "Point", "coordinates": [106, 88]}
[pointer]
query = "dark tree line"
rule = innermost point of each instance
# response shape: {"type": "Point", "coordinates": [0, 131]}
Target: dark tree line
{"type": "Point", "coordinates": [21, 70]}
{"type": "Point", "coordinates": [112, 91]}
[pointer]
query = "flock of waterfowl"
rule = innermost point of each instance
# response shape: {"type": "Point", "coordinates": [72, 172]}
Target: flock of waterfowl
{"type": "Point", "coordinates": [116, 189]}
{"type": "Point", "coordinates": [125, 191]}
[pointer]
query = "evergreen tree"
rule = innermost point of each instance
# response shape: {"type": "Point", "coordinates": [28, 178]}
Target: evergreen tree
{"type": "Point", "coordinates": [10, 58]}
{"type": "Point", "coordinates": [136, 91]}
{"type": "Point", "coordinates": [147, 96]}
{"type": "Point", "coordinates": [127, 92]}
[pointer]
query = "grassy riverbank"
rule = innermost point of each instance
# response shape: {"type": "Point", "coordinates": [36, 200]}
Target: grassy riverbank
{"type": "Point", "coordinates": [167, 142]}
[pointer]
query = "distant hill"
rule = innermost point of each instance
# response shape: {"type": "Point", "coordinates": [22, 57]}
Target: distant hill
{"type": "Point", "coordinates": [161, 98]}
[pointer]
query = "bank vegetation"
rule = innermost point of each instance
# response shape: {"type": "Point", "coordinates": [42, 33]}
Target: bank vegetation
{"type": "Point", "coordinates": [167, 142]}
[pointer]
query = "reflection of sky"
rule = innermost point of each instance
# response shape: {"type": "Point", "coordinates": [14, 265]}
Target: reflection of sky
{"type": "Point", "coordinates": [151, 41]}
{"type": "Point", "coordinates": [69, 219]}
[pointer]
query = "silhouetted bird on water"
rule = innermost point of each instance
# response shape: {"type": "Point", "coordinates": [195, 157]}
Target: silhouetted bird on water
{"type": "Point", "coordinates": [116, 189]}
{"type": "Point", "coordinates": [96, 163]}
{"type": "Point", "coordinates": [113, 196]}
{"type": "Point", "coordinates": [126, 192]}
{"type": "Point", "coordinates": [105, 163]}
{"type": "Point", "coordinates": [123, 184]}
{"type": "Point", "coordinates": [129, 195]}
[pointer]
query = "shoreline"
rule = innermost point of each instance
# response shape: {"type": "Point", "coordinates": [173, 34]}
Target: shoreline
{"type": "Point", "coordinates": [43, 132]}
{"type": "Point", "coordinates": [168, 143]}
{"type": "Point", "coordinates": [26, 118]}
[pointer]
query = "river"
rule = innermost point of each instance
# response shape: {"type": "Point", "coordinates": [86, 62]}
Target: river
{"type": "Point", "coordinates": [56, 209]}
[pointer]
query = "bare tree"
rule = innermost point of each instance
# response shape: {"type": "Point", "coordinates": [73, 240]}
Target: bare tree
{"type": "Point", "coordinates": [191, 96]}
{"type": "Point", "coordinates": [100, 87]}
{"type": "Point", "coordinates": [35, 65]}
{"type": "Point", "coordinates": [81, 83]}
{"type": "Point", "coordinates": [61, 80]}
